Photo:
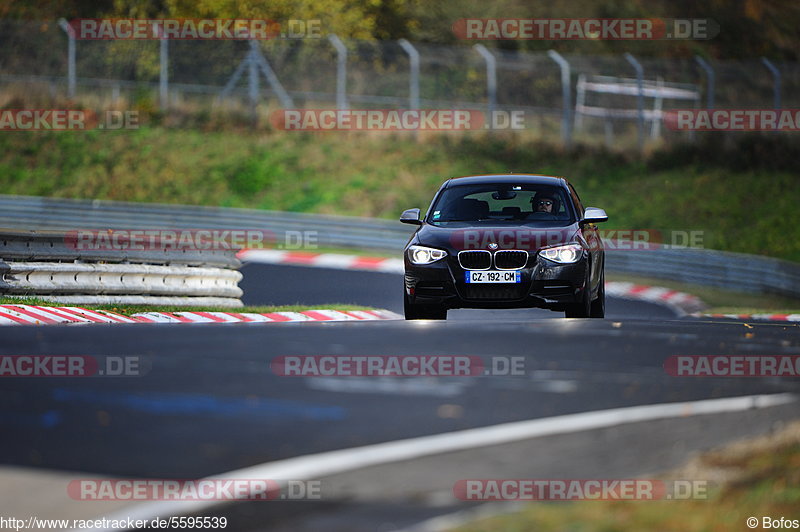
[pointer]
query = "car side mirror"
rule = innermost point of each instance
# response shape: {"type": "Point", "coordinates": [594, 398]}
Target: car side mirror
{"type": "Point", "coordinates": [411, 216]}
{"type": "Point", "coordinates": [594, 215]}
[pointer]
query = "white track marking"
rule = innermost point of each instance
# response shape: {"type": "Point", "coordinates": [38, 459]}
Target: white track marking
{"type": "Point", "coordinates": [316, 466]}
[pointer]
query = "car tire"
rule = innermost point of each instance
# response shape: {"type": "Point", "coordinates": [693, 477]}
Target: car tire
{"type": "Point", "coordinates": [581, 309]}
{"type": "Point", "coordinates": [423, 312]}
{"type": "Point", "coordinates": [598, 306]}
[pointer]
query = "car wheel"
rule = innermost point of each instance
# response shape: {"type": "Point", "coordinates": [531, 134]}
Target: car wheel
{"type": "Point", "coordinates": [598, 307]}
{"type": "Point", "coordinates": [582, 308]}
{"type": "Point", "coordinates": [423, 312]}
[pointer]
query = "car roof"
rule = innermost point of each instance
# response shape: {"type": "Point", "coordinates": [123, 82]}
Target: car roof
{"type": "Point", "coordinates": [505, 178]}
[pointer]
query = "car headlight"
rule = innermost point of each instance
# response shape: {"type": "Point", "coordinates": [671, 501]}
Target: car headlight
{"type": "Point", "coordinates": [563, 254]}
{"type": "Point", "coordinates": [423, 255]}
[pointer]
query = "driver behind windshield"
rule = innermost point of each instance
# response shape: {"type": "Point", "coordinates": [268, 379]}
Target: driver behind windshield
{"type": "Point", "coordinates": [543, 203]}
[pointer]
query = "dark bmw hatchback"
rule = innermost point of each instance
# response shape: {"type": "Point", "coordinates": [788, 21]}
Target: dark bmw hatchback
{"type": "Point", "coordinates": [505, 241]}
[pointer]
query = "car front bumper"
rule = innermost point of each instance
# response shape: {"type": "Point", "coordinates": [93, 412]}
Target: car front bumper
{"type": "Point", "coordinates": [544, 284]}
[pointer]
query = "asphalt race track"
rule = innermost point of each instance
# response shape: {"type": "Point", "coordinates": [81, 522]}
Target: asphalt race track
{"type": "Point", "coordinates": [265, 284]}
{"type": "Point", "coordinates": [210, 403]}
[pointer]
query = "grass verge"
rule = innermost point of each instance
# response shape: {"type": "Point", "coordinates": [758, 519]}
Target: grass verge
{"type": "Point", "coordinates": [752, 478]}
{"type": "Point", "coordinates": [739, 197]}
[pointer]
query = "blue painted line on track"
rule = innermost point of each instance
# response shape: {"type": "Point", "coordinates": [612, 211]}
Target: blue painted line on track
{"type": "Point", "coordinates": [199, 404]}
{"type": "Point", "coordinates": [46, 420]}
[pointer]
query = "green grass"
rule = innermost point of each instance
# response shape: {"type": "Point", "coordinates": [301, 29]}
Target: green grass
{"type": "Point", "coordinates": [128, 310]}
{"type": "Point", "coordinates": [764, 481]}
{"type": "Point", "coordinates": [743, 199]}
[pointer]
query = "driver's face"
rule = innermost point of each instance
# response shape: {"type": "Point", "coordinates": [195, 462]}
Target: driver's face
{"type": "Point", "coordinates": [544, 205]}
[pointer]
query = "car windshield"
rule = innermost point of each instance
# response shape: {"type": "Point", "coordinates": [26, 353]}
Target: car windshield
{"type": "Point", "coordinates": [504, 203]}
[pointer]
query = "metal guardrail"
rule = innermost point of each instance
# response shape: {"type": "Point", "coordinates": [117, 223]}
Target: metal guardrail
{"type": "Point", "coordinates": [53, 246]}
{"type": "Point", "coordinates": [51, 278]}
{"type": "Point", "coordinates": [732, 271]}
{"type": "Point", "coordinates": [46, 265]}
{"type": "Point", "coordinates": [31, 212]}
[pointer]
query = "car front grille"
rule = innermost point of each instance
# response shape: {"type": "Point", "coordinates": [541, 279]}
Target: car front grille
{"type": "Point", "coordinates": [505, 259]}
{"type": "Point", "coordinates": [475, 260]}
{"type": "Point", "coordinates": [510, 259]}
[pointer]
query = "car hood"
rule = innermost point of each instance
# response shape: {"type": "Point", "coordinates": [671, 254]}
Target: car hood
{"type": "Point", "coordinates": [525, 237]}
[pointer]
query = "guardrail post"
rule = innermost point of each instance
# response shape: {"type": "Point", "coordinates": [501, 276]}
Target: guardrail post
{"type": "Point", "coordinates": [658, 105]}
{"type": "Point", "coordinates": [70, 56]}
{"type": "Point", "coordinates": [413, 72]}
{"type": "Point", "coordinates": [608, 132]}
{"type": "Point", "coordinates": [341, 71]}
{"type": "Point", "coordinates": [776, 84]}
{"type": "Point", "coordinates": [639, 97]}
{"type": "Point", "coordinates": [710, 80]}
{"type": "Point", "coordinates": [491, 79]}
{"type": "Point", "coordinates": [566, 97]}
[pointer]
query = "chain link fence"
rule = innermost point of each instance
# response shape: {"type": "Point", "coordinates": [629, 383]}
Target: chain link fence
{"type": "Point", "coordinates": [193, 75]}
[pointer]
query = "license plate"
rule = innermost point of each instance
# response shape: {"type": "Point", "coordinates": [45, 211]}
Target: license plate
{"type": "Point", "coordinates": [492, 276]}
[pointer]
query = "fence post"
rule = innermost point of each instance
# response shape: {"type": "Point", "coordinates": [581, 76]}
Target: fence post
{"type": "Point", "coordinates": [580, 100]}
{"type": "Point", "coordinates": [237, 74]}
{"type": "Point", "coordinates": [163, 78]}
{"type": "Point", "coordinates": [491, 79]}
{"type": "Point", "coordinates": [776, 87]}
{"type": "Point", "coordinates": [566, 97]}
{"type": "Point", "coordinates": [70, 56]}
{"type": "Point", "coordinates": [710, 80]}
{"type": "Point", "coordinates": [341, 70]}
{"type": "Point", "coordinates": [253, 85]}
{"type": "Point", "coordinates": [413, 65]}
{"type": "Point", "coordinates": [640, 96]}
{"type": "Point", "coordinates": [253, 60]}
{"type": "Point", "coordinates": [272, 78]}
